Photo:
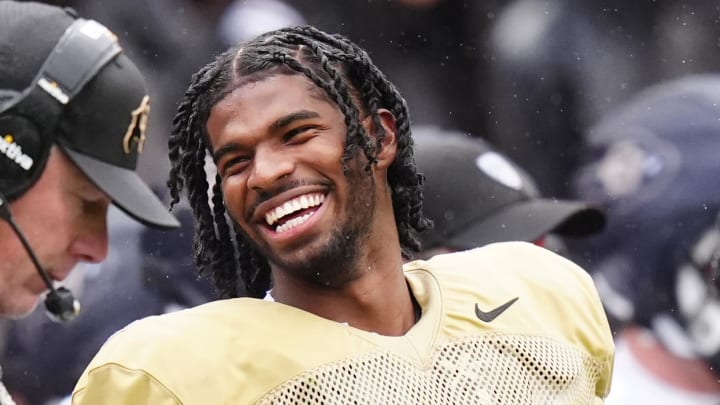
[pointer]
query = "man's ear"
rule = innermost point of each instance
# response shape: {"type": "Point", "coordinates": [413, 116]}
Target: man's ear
{"type": "Point", "coordinates": [387, 149]}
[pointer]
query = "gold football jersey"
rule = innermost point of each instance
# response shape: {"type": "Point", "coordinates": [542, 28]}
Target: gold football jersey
{"type": "Point", "coordinates": [508, 323]}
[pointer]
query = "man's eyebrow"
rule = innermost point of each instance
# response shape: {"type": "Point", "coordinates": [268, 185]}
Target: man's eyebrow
{"type": "Point", "coordinates": [277, 125]}
{"type": "Point", "coordinates": [223, 150]}
{"type": "Point", "coordinates": [290, 118]}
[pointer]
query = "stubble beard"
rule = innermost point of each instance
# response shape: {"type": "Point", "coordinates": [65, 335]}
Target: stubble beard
{"type": "Point", "coordinates": [335, 262]}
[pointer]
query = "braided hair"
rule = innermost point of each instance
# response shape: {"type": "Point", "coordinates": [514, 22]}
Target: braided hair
{"type": "Point", "coordinates": [350, 79]}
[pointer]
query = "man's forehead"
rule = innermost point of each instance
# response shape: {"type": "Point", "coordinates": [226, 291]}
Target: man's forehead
{"type": "Point", "coordinates": [271, 99]}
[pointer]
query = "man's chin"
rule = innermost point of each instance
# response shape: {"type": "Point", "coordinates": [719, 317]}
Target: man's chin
{"type": "Point", "coordinates": [333, 266]}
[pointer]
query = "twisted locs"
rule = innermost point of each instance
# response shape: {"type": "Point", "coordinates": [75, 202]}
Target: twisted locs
{"type": "Point", "coordinates": [345, 73]}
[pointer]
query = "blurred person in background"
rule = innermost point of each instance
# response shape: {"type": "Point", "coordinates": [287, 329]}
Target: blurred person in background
{"type": "Point", "coordinates": [559, 66]}
{"type": "Point", "coordinates": [653, 165]}
{"type": "Point", "coordinates": [475, 195]}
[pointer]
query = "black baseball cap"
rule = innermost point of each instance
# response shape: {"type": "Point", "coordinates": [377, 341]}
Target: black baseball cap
{"type": "Point", "coordinates": [475, 196]}
{"type": "Point", "coordinates": [102, 128]}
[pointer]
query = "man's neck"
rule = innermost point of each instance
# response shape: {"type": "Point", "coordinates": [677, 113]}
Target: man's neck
{"type": "Point", "coordinates": [379, 301]}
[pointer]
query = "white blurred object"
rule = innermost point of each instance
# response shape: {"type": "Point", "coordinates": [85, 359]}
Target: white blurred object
{"type": "Point", "coordinates": [245, 19]}
{"type": "Point", "coordinates": [634, 382]}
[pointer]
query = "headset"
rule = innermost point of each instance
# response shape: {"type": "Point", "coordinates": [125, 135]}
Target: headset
{"type": "Point", "coordinates": [28, 122]}
{"type": "Point", "coordinates": [60, 304]}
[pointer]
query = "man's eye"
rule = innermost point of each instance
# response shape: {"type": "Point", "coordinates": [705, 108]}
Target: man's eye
{"type": "Point", "coordinates": [234, 166]}
{"type": "Point", "coordinates": [292, 134]}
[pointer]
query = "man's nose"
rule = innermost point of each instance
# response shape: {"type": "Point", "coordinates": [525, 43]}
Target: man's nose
{"type": "Point", "coordinates": [91, 243]}
{"type": "Point", "coordinates": [268, 167]}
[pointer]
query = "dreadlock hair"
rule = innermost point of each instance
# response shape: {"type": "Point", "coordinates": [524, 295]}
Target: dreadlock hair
{"type": "Point", "coordinates": [349, 78]}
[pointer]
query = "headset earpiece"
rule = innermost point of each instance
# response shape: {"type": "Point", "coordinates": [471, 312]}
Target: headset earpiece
{"type": "Point", "coordinates": [23, 154]}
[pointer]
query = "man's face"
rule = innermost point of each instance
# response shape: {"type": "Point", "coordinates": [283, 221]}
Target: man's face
{"type": "Point", "coordinates": [63, 217]}
{"type": "Point", "coordinates": [278, 145]}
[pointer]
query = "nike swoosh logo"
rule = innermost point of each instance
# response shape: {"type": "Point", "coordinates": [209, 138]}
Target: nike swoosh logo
{"type": "Point", "coordinates": [491, 315]}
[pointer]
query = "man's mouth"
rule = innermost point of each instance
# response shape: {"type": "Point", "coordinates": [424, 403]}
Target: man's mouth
{"type": "Point", "coordinates": [293, 212]}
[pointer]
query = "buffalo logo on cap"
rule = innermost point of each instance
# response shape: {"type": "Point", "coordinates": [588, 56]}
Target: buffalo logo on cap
{"type": "Point", "coordinates": [135, 135]}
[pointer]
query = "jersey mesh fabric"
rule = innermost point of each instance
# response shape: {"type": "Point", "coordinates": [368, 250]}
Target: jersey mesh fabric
{"type": "Point", "coordinates": [534, 371]}
{"type": "Point", "coordinates": [547, 341]}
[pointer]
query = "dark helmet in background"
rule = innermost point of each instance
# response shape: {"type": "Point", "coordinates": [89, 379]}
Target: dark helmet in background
{"type": "Point", "coordinates": [653, 165]}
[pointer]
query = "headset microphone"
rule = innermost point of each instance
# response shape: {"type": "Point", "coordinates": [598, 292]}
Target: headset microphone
{"type": "Point", "coordinates": [60, 304]}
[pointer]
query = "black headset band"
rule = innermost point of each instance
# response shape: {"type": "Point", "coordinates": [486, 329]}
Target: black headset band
{"type": "Point", "coordinates": [84, 49]}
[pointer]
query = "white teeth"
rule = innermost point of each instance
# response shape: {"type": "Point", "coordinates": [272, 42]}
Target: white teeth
{"type": "Point", "coordinates": [296, 204]}
{"type": "Point", "coordinates": [292, 223]}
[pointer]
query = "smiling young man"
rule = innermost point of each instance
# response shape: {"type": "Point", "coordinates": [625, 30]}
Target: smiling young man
{"type": "Point", "coordinates": [315, 204]}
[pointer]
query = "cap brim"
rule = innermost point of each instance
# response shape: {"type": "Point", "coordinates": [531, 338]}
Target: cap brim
{"type": "Point", "coordinates": [127, 190]}
{"type": "Point", "coordinates": [529, 220]}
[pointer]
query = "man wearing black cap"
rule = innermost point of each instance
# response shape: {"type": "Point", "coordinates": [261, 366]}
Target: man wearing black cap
{"type": "Point", "coordinates": [475, 196]}
{"type": "Point", "coordinates": [73, 114]}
